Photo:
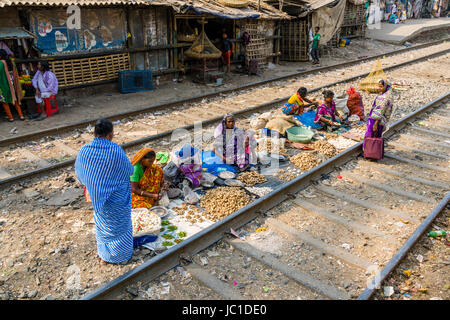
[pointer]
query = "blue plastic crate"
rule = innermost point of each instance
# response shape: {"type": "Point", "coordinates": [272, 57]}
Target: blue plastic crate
{"type": "Point", "coordinates": [135, 81]}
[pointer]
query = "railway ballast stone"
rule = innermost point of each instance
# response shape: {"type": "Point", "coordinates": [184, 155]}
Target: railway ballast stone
{"type": "Point", "coordinates": [68, 196]}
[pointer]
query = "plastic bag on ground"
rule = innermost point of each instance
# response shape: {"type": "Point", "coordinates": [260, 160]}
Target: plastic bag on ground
{"type": "Point", "coordinates": [341, 105]}
{"type": "Point", "coordinates": [257, 123]}
{"type": "Point", "coordinates": [164, 201]}
{"type": "Point", "coordinates": [355, 103]}
{"type": "Point", "coordinates": [189, 195]}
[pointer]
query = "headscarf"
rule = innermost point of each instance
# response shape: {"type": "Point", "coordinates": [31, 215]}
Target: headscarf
{"type": "Point", "coordinates": [220, 129]}
{"type": "Point", "coordinates": [386, 84]}
{"type": "Point", "coordinates": [139, 155]}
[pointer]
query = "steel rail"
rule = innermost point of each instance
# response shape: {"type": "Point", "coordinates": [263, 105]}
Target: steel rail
{"type": "Point", "coordinates": [161, 135]}
{"type": "Point", "coordinates": [169, 259]}
{"type": "Point", "coordinates": [171, 104]}
{"type": "Point", "coordinates": [401, 253]}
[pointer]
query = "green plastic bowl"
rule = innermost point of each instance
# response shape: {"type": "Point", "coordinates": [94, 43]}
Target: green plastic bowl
{"type": "Point", "coordinates": [299, 134]}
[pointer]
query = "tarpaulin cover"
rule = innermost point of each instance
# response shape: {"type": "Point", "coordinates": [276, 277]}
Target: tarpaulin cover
{"type": "Point", "coordinates": [357, 2]}
{"type": "Point", "coordinates": [307, 119]}
{"type": "Point", "coordinates": [101, 28]}
{"type": "Point", "coordinates": [14, 33]}
{"type": "Point", "coordinates": [329, 20]}
{"type": "Point", "coordinates": [214, 165]}
{"type": "Point", "coordinates": [250, 14]}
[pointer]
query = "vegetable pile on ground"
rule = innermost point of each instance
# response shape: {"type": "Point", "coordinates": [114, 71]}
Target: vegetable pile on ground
{"type": "Point", "coordinates": [250, 178]}
{"type": "Point", "coordinates": [325, 148]}
{"type": "Point", "coordinates": [305, 160]}
{"type": "Point", "coordinates": [223, 201]}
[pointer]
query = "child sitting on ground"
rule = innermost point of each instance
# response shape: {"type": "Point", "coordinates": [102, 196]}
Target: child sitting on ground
{"type": "Point", "coordinates": [296, 104]}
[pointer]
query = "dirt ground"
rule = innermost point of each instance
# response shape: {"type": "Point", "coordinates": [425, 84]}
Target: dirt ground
{"type": "Point", "coordinates": [92, 106]}
{"type": "Point", "coordinates": [424, 274]}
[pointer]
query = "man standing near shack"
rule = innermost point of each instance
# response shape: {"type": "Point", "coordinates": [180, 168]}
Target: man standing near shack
{"type": "Point", "coordinates": [103, 167]}
{"type": "Point", "coordinates": [226, 54]}
{"type": "Point", "coordinates": [315, 46]}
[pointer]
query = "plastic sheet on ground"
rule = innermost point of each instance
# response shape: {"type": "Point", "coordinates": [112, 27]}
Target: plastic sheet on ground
{"type": "Point", "coordinates": [214, 165]}
{"type": "Point", "coordinates": [307, 119]}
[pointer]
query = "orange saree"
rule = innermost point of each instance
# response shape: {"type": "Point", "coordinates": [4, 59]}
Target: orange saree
{"type": "Point", "coordinates": [150, 182]}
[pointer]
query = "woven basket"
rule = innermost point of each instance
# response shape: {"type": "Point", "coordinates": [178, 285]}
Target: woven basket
{"type": "Point", "coordinates": [234, 3]}
{"type": "Point", "coordinates": [370, 83]}
{"type": "Point", "coordinates": [203, 48]}
{"type": "Point", "coordinates": [186, 37]}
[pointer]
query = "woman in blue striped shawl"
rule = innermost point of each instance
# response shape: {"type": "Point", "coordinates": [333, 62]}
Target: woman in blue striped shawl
{"type": "Point", "coordinates": [103, 167]}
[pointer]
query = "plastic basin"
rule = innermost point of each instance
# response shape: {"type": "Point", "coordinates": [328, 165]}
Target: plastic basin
{"type": "Point", "coordinates": [299, 134]}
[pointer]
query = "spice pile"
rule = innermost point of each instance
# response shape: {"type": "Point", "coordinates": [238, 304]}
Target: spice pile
{"type": "Point", "coordinates": [145, 221]}
{"type": "Point", "coordinates": [305, 160]}
{"type": "Point", "coordinates": [325, 148]}
{"type": "Point", "coordinates": [223, 201]}
{"type": "Point", "coordinates": [250, 178]}
{"type": "Point", "coordinates": [330, 135]}
{"type": "Point", "coordinates": [342, 143]}
{"type": "Point", "coordinates": [285, 175]}
{"type": "Point", "coordinates": [260, 191]}
{"type": "Point", "coordinates": [268, 145]}
{"type": "Point", "coordinates": [192, 213]}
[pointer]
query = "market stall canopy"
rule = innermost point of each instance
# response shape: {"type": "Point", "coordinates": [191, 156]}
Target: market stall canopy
{"type": "Point", "coordinates": [299, 7]}
{"type": "Point", "coordinates": [254, 9]}
{"type": "Point", "coordinates": [15, 33]}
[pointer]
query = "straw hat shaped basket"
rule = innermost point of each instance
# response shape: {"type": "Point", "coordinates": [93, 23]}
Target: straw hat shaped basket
{"type": "Point", "coordinates": [370, 83]}
{"type": "Point", "coordinates": [186, 33]}
{"type": "Point", "coordinates": [203, 47]}
{"type": "Point", "coordinates": [235, 3]}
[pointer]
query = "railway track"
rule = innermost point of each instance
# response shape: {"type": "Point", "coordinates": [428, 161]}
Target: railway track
{"type": "Point", "coordinates": [39, 159]}
{"type": "Point", "coordinates": [154, 108]}
{"type": "Point", "coordinates": [335, 232]}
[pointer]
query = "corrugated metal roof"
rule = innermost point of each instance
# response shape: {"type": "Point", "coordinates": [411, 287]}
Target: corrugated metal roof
{"type": "Point", "coordinates": [15, 33]}
{"type": "Point", "coordinates": [198, 6]}
{"type": "Point", "coordinates": [6, 3]}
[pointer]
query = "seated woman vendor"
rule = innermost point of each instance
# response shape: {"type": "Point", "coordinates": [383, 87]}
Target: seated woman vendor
{"type": "Point", "coordinates": [147, 180]}
{"type": "Point", "coordinates": [326, 113]}
{"type": "Point", "coordinates": [296, 104]}
{"type": "Point", "coordinates": [232, 144]}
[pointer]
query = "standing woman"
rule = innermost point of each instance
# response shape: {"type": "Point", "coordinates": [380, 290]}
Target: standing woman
{"type": "Point", "coordinates": [381, 111]}
{"type": "Point", "coordinates": [147, 180]}
{"type": "Point", "coordinates": [103, 167]}
{"type": "Point", "coordinates": [232, 144]}
{"type": "Point", "coordinates": [10, 88]}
